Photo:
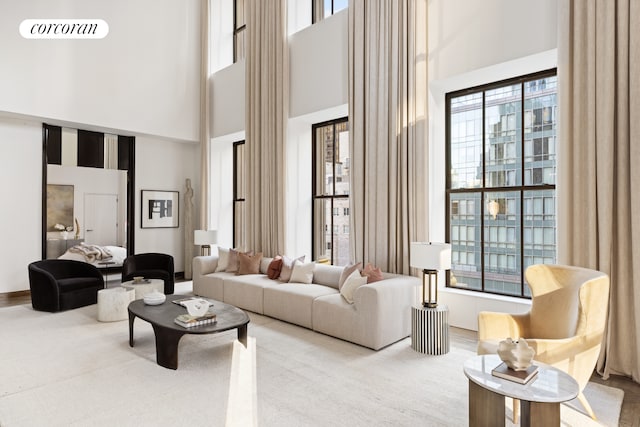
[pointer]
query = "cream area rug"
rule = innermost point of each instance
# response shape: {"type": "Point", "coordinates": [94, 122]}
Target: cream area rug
{"type": "Point", "coordinates": [68, 369]}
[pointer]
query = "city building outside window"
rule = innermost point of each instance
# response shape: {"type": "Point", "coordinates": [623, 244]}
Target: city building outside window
{"type": "Point", "coordinates": [324, 8]}
{"type": "Point", "coordinates": [239, 194]}
{"type": "Point", "coordinates": [330, 171]}
{"type": "Point", "coordinates": [501, 177]}
{"type": "Point", "coordinates": [239, 27]}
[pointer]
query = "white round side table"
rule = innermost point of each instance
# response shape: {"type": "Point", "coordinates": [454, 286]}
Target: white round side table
{"type": "Point", "coordinates": [113, 304]}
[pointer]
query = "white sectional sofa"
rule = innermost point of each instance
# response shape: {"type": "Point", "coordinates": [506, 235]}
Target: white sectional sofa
{"type": "Point", "coordinates": [379, 316]}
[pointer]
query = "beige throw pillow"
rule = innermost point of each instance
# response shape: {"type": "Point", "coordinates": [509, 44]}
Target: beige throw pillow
{"type": "Point", "coordinates": [249, 264]}
{"type": "Point", "coordinates": [353, 282]}
{"type": "Point", "coordinates": [302, 273]}
{"type": "Point", "coordinates": [223, 259]}
{"type": "Point", "coordinates": [347, 272]}
{"type": "Point", "coordinates": [287, 267]}
{"type": "Point", "coordinates": [232, 264]}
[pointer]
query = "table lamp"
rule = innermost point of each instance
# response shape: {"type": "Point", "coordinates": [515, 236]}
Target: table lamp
{"type": "Point", "coordinates": [205, 238]}
{"type": "Point", "coordinates": [430, 257]}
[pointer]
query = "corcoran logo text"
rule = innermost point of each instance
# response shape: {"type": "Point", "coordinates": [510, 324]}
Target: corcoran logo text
{"type": "Point", "coordinates": [64, 29]}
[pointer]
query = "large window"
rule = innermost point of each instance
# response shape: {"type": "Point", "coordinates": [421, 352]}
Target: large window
{"type": "Point", "coordinates": [324, 8]}
{"type": "Point", "coordinates": [501, 176]}
{"type": "Point", "coordinates": [331, 191]}
{"type": "Point", "coordinates": [239, 27]}
{"type": "Point", "coordinates": [239, 193]}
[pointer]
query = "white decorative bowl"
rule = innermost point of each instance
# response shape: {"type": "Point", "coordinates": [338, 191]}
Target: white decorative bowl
{"type": "Point", "coordinates": [154, 298]}
{"type": "Point", "coordinates": [197, 307]}
{"type": "Point", "coordinates": [517, 355]}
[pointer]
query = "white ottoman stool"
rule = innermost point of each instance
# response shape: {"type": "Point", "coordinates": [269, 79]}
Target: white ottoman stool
{"type": "Point", "coordinates": [113, 304]}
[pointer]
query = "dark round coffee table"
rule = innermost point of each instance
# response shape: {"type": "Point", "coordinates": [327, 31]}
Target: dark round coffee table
{"type": "Point", "coordinates": [168, 333]}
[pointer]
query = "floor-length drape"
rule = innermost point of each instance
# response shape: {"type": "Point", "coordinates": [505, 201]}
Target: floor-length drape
{"type": "Point", "coordinates": [388, 130]}
{"type": "Point", "coordinates": [267, 99]}
{"type": "Point", "coordinates": [205, 161]}
{"type": "Point", "coordinates": [598, 161]}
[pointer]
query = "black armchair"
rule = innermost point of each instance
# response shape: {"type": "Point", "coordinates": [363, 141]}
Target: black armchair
{"type": "Point", "coordinates": [62, 284]}
{"type": "Point", "coordinates": [150, 266]}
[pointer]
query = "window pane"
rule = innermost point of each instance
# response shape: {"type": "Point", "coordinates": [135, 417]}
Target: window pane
{"type": "Point", "coordinates": [339, 5]}
{"type": "Point", "coordinates": [503, 118]}
{"type": "Point", "coordinates": [341, 240]}
{"type": "Point", "coordinates": [465, 243]}
{"type": "Point", "coordinates": [324, 160]}
{"type": "Point", "coordinates": [322, 228]}
{"type": "Point", "coordinates": [241, 183]}
{"type": "Point", "coordinates": [342, 158]}
{"type": "Point", "coordinates": [540, 141]}
{"type": "Point", "coordinates": [499, 243]}
{"type": "Point", "coordinates": [466, 141]}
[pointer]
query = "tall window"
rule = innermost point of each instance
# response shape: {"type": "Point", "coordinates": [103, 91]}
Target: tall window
{"type": "Point", "coordinates": [324, 8]}
{"type": "Point", "coordinates": [501, 176]}
{"type": "Point", "coordinates": [331, 191]}
{"type": "Point", "coordinates": [239, 27]}
{"type": "Point", "coordinates": [239, 193]}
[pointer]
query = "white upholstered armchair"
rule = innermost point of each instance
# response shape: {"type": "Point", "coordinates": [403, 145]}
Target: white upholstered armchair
{"type": "Point", "coordinates": [565, 324]}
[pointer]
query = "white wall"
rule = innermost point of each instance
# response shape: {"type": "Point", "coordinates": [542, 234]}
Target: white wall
{"type": "Point", "coordinates": [165, 165]}
{"type": "Point", "coordinates": [141, 80]}
{"type": "Point", "coordinates": [21, 213]}
{"type": "Point", "coordinates": [143, 77]}
{"type": "Point", "coordinates": [472, 43]}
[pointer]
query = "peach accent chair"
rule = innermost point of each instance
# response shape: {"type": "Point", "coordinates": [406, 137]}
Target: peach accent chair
{"type": "Point", "coordinates": [565, 324]}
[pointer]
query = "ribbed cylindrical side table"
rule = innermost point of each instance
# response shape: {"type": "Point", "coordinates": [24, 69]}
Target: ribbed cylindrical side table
{"type": "Point", "coordinates": [430, 329]}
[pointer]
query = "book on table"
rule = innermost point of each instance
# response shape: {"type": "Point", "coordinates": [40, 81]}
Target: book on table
{"type": "Point", "coordinates": [189, 321]}
{"type": "Point", "coordinates": [182, 301]}
{"type": "Point", "coordinates": [520, 377]}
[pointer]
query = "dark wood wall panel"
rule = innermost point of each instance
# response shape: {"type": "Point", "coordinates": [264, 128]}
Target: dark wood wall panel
{"type": "Point", "coordinates": [54, 144]}
{"type": "Point", "coordinates": [90, 149]}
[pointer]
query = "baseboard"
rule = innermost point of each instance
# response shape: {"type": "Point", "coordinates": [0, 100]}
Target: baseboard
{"type": "Point", "coordinates": [16, 294]}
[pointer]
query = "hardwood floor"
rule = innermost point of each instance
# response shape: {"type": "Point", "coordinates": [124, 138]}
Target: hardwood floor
{"type": "Point", "coordinates": [629, 416]}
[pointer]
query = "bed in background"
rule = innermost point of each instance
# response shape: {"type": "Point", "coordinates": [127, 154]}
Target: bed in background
{"type": "Point", "coordinates": [99, 256]}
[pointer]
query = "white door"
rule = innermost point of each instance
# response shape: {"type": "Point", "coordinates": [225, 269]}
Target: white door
{"type": "Point", "coordinates": [101, 219]}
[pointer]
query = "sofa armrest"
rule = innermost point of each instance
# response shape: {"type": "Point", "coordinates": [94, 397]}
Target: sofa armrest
{"type": "Point", "coordinates": [203, 265]}
{"type": "Point", "coordinates": [492, 326]}
{"type": "Point", "coordinates": [385, 308]}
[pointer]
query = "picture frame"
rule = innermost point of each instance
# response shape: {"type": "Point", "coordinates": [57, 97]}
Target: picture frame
{"type": "Point", "coordinates": [159, 209]}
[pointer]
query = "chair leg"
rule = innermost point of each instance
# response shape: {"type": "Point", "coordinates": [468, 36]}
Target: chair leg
{"type": "Point", "coordinates": [586, 405]}
{"type": "Point", "coordinates": [516, 410]}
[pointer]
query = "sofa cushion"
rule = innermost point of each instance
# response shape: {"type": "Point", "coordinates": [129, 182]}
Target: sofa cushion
{"type": "Point", "coordinates": [264, 264]}
{"type": "Point", "coordinates": [287, 267]}
{"type": "Point", "coordinates": [223, 259]}
{"type": "Point", "coordinates": [293, 302]}
{"type": "Point", "coordinates": [328, 275]}
{"type": "Point", "coordinates": [302, 273]}
{"type": "Point", "coordinates": [247, 291]}
{"type": "Point", "coordinates": [347, 272]}
{"type": "Point", "coordinates": [353, 282]}
{"type": "Point", "coordinates": [249, 264]}
{"type": "Point", "coordinates": [211, 285]}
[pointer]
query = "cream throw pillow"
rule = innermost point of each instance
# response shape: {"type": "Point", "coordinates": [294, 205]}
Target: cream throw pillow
{"type": "Point", "coordinates": [287, 267]}
{"type": "Point", "coordinates": [347, 272]}
{"type": "Point", "coordinates": [302, 273]}
{"type": "Point", "coordinates": [353, 282]}
{"type": "Point", "coordinates": [223, 259]}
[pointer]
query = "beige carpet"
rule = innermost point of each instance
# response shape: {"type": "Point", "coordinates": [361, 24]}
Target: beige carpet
{"type": "Point", "coordinates": [67, 369]}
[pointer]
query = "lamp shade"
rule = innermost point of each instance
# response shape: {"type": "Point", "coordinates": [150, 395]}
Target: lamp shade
{"type": "Point", "coordinates": [205, 237]}
{"type": "Point", "coordinates": [430, 256]}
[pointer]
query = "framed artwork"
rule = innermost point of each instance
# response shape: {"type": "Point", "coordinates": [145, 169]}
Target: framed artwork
{"type": "Point", "coordinates": [159, 209]}
{"type": "Point", "coordinates": [59, 206]}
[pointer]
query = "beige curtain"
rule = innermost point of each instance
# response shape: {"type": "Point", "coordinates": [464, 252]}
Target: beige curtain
{"type": "Point", "coordinates": [388, 129]}
{"type": "Point", "coordinates": [205, 161]}
{"type": "Point", "coordinates": [267, 110]}
{"type": "Point", "coordinates": [599, 152]}
{"type": "Point", "coordinates": [318, 10]}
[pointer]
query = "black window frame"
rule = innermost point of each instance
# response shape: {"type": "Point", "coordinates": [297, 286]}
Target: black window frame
{"type": "Point", "coordinates": [236, 199]}
{"type": "Point", "coordinates": [237, 30]}
{"type": "Point", "coordinates": [485, 188]}
{"type": "Point", "coordinates": [314, 197]}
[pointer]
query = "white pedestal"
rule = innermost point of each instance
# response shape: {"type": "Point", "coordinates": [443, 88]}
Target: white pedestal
{"type": "Point", "coordinates": [430, 329]}
{"type": "Point", "coordinates": [113, 304]}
